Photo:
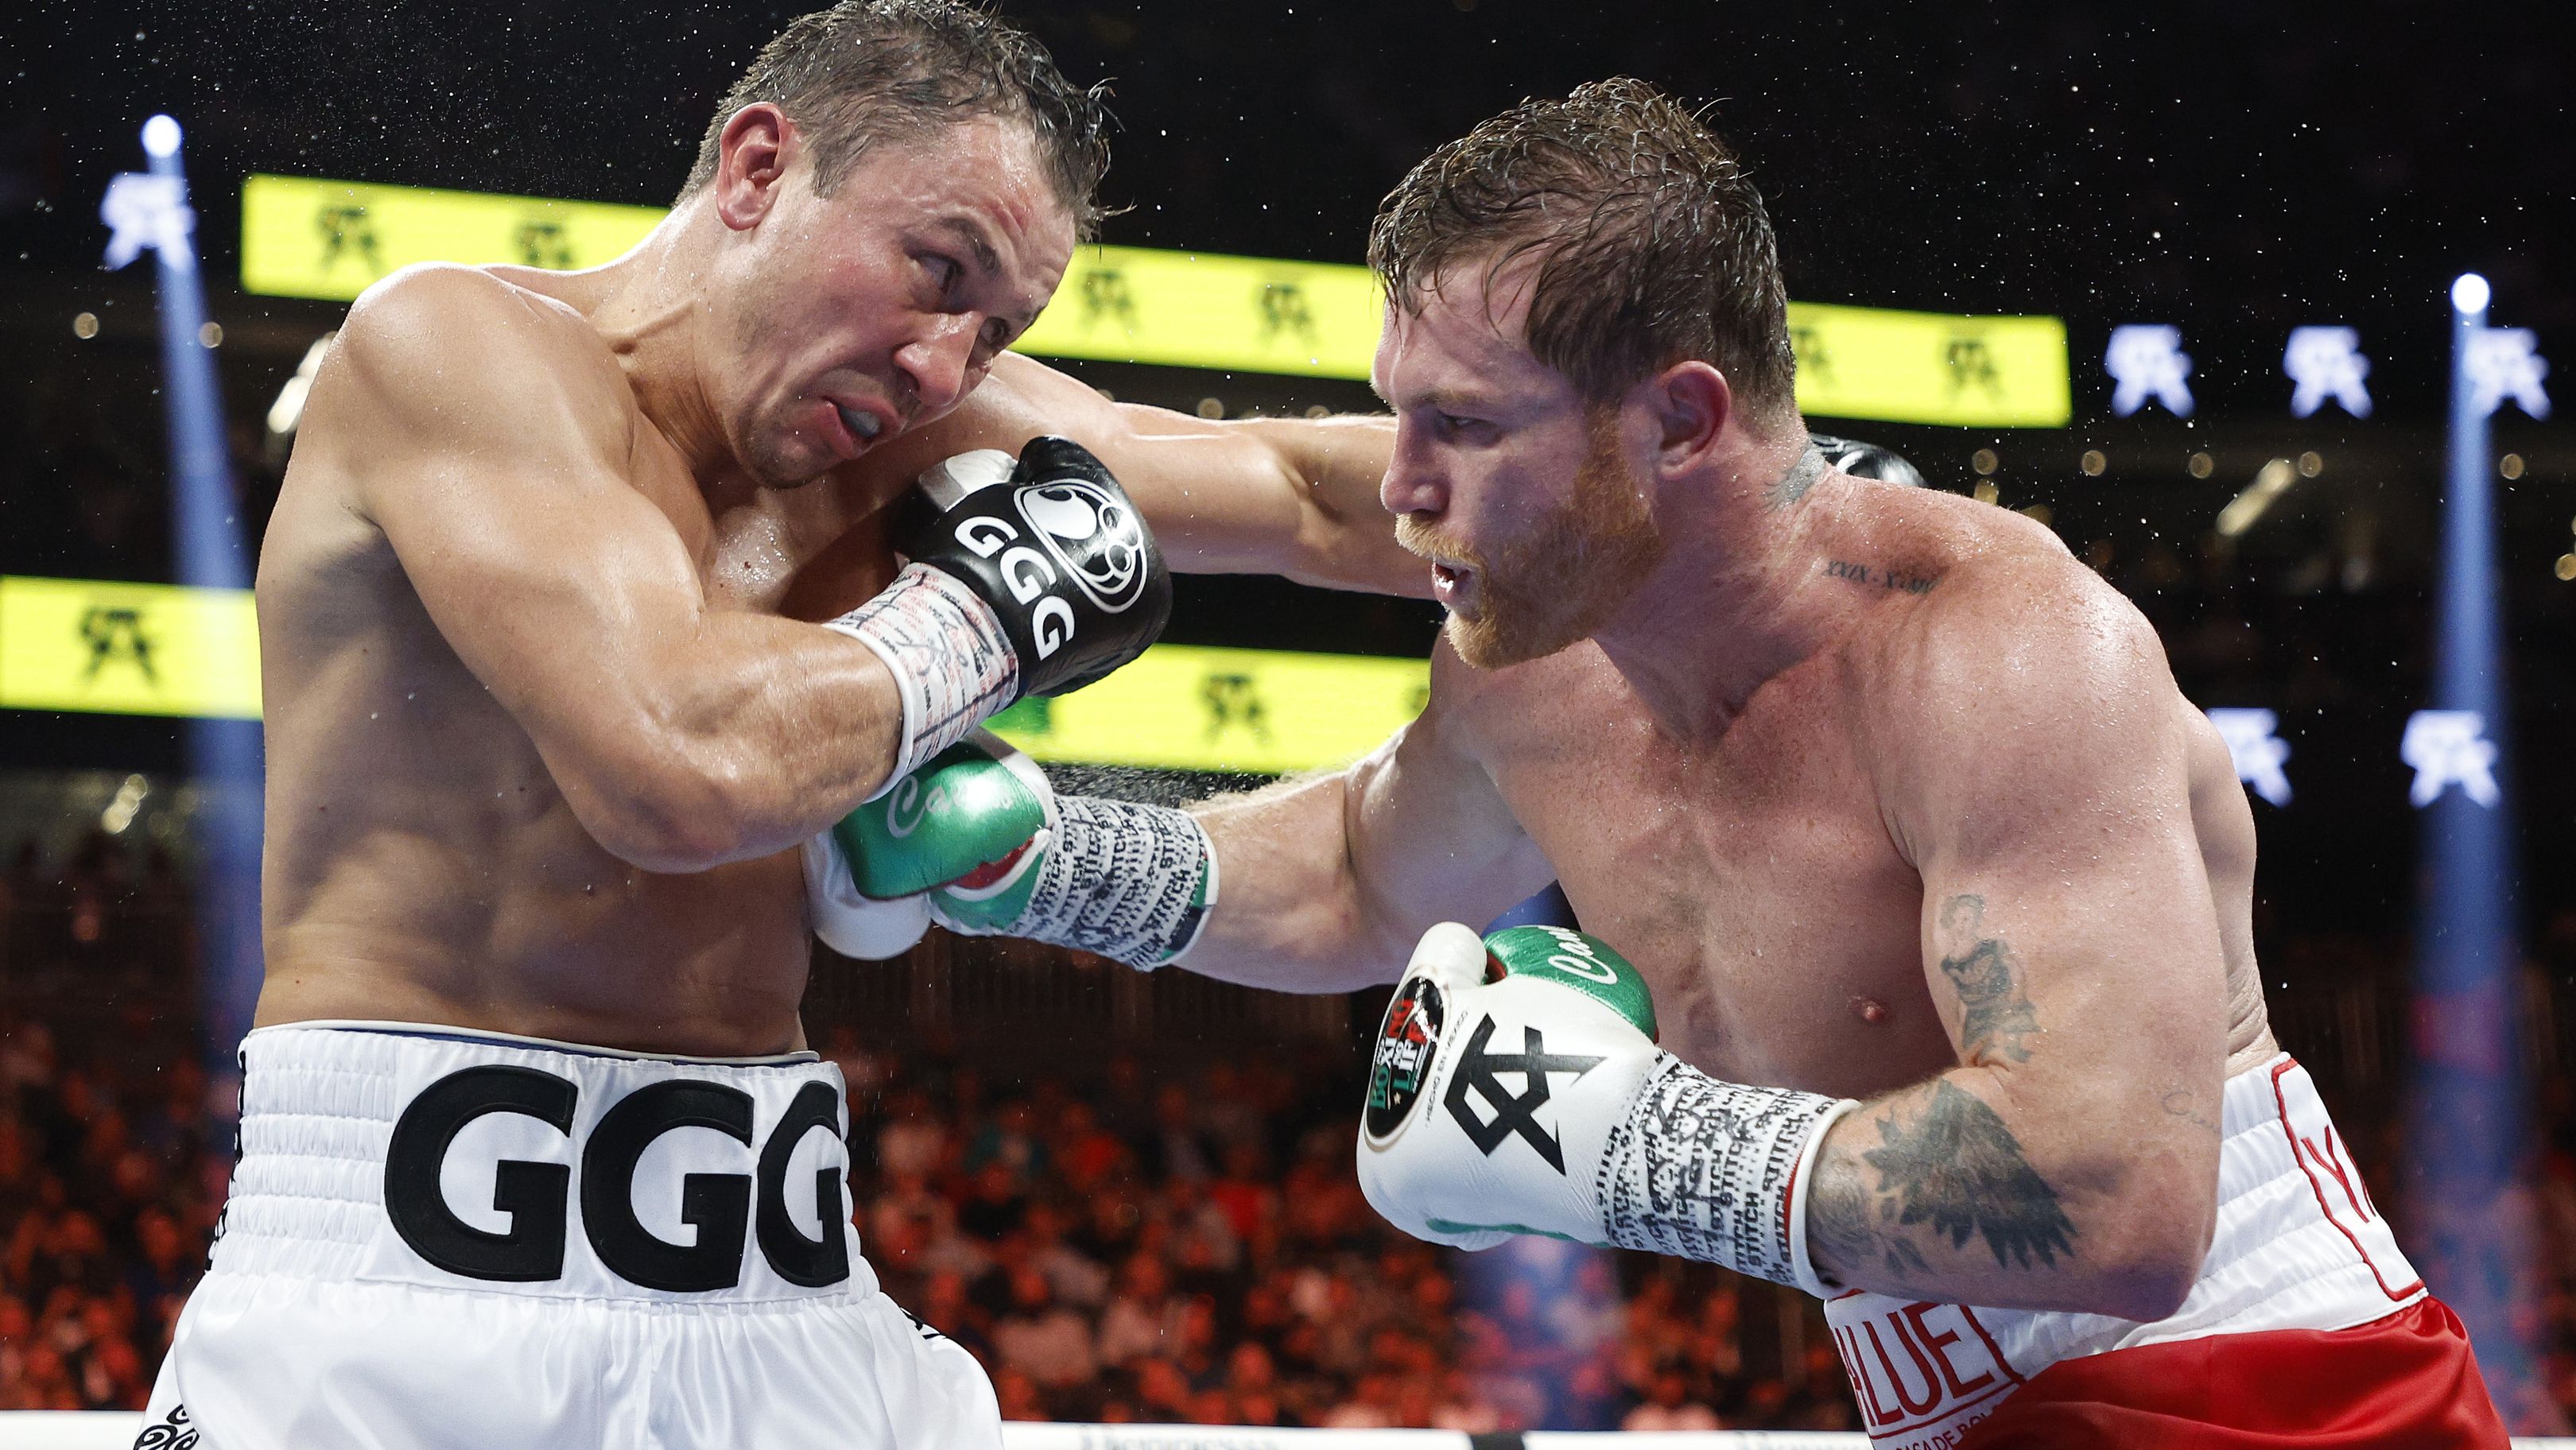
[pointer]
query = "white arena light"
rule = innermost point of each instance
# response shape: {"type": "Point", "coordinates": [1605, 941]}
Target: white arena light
{"type": "Point", "coordinates": [2146, 362]}
{"type": "Point", "coordinates": [161, 137]}
{"type": "Point", "coordinates": [2326, 364]}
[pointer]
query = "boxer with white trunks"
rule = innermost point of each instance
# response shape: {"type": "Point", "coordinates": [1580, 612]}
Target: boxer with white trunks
{"type": "Point", "coordinates": [581, 617]}
{"type": "Point", "coordinates": [1893, 804]}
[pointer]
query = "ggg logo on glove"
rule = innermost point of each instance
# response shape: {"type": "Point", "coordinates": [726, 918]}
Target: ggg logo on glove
{"type": "Point", "coordinates": [1094, 535]}
{"type": "Point", "coordinates": [1402, 1058]}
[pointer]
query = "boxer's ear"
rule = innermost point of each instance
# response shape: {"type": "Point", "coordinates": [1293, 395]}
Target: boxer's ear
{"type": "Point", "coordinates": [1691, 404]}
{"type": "Point", "coordinates": [758, 146]}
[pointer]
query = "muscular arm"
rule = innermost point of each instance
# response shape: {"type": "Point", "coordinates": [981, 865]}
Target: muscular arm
{"type": "Point", "coordinates": [1326, 882]}
{"type": "Point", "coordinates": [2038, 782]}
{"type": "Point", "coordinates": [1295, 497]}
{"type": "Point", "coordinates": [493, 442]}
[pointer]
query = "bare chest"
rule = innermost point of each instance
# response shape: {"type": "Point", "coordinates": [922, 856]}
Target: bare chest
{"type": "Point", "coordinates": [1751, 880]}
{"type": "Point", "coordinates": [807, 553]}
{"type": "Point", "coordinates": [420, 855]}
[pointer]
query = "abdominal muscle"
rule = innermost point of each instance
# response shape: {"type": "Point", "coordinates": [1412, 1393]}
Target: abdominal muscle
{"type": "Point", "coordinates": [530, 928]}
{"type": "Point", "coordinates": [421, 865]}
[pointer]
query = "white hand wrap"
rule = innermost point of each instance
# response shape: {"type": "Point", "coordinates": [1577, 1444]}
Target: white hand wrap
{"type": "Point", "coordinates": [1719, 1172]}
{"type": "Point", "coordinates": [951, 663]}
{"type": "Point", "coordinates": [1122, 880]}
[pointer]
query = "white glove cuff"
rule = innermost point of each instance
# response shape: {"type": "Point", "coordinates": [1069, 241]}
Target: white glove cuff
{"type": "Point", "coordinates": [951, 663]}
{"type": "Point", "coordinates": [862, 927]}
{"type": "Point", "coordinates": [1710, 1170]}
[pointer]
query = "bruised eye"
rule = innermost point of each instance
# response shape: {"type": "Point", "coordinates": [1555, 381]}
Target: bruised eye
{"type": "Point", "coordinates": [945, 272]}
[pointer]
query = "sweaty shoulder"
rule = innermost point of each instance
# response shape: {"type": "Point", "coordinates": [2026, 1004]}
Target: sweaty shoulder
{"type": "Point", "coordinates": [440, 359]}
{"type": "Point", "coordinates": [1971, 576]}
{"type": "Point", "coordinates": [2016, 656]}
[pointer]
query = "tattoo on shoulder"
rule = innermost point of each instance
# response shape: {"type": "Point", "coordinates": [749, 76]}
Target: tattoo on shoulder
{"type": "Point", "coordinates": [1996, 1017]}
{"type": "Point", "coordinates": [1897, 580]}
{"type": "Point", "coordinates": [1958, 1169]}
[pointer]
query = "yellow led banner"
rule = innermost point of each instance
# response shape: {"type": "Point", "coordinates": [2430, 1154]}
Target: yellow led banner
{"type": "Point", "coordinates": [303, 237]}
{"type": "Point", "coordinates": [127, 649]}
{"type": "Point", "coordinates": [1190, 707]}
{"type": "Point", "coordinates": [1930, 367]}
{"type": "Point", "coordinates": [1195, 309]}
{"type": "Point", "coordinates": [155, 649]}
{"type": "Point", "coordinates": [307, 238]}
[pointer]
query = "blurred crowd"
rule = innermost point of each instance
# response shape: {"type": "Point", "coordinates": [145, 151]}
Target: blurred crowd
{"type": "Point", "coordinates": [112, 1170]}
{"type": "Point", "coordinates": [1166, 1237]}
{"type": "Point", "coordinates": [1171, 1233]}
{"type": "Point", "coordinates": [1185, 1241]}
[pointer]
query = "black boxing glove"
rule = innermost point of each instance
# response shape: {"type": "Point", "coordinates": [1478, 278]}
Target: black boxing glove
{"type": "Point", "coordinates": [1085, 586]}
{"type": "Point", "coordinates": [1025, 578]}
{"type": "Point", "coordinates": [1866, 460]}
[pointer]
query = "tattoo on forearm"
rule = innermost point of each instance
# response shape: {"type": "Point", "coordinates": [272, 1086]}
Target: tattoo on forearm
{"type": "Point", "coordinates": [1996, 1018]}
{"type": "Point", "coordinates": [1900, 580]}
{"type": "Point", "coordinates": [1959, 1169]}
{"type": "Point", "coordinates": [1945, 1160]}
{"type": "Point", "coordinates": [1843, 1234]}
{"type": "Point", "coordinates": [1950, 1165]}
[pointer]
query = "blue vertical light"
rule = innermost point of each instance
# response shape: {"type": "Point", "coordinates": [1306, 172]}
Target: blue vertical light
{"type": "Point", "coordinates": [223, 755]}
{"type": "Point", "coordinates": [2467, 1105]}
{"type": "Point", "coordinates": [1522, 1284]}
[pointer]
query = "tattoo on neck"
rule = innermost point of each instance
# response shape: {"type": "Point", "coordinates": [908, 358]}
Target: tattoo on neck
{"type": "Point", "coordinates": [1897, 580]}
{"type": "Point", "coordinates": [1793, 485]}
{"type": "Point", "coordinates": [1996, 1017]}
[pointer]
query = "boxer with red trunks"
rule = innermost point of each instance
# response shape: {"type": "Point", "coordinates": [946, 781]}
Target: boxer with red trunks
{"type": "Point", "coordinates": [1893, 804]}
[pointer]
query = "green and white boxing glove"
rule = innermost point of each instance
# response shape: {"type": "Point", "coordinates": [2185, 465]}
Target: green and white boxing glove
{"type": "Point", "coordinates": [1515, 1087]}
{"type": "Point", "coordinates": [847, 920]}
{"type": "Point", "coordinates": [980, 838]}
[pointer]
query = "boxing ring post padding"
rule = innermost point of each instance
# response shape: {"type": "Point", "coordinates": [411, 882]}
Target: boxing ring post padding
{"type": "Point", "coordinates": [116, 1429]}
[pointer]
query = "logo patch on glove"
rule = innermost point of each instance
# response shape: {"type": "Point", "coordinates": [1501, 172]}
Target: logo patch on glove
{"type": "Point", "coordinates": [1094, 535]}
{"type": "Point", "coordinates": [1480, 1072]}
{"type": "Point", "coordinates": [1401, 1059]}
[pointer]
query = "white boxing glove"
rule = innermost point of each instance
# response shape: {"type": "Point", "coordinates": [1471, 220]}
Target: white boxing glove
{"type": "Point", "coordinates": [866, 927]}
{"type": "Point", "coordinates": [1515, 1087]}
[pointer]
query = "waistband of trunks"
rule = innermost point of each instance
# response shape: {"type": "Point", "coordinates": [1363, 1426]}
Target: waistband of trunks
{"type": "Point", "coordinates": [445, 1158]}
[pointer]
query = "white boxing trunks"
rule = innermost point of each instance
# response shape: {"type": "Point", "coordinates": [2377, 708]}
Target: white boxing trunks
{"type": "Point", "coordinates": [2298, 1246]}
{"type": "Point", "coordinates": [450, 1239]}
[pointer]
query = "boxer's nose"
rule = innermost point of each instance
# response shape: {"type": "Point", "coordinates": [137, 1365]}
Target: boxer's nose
{"type": "Point", "coordinates": [1414, 482]}
{"type": "Point", "coordinates": [939, 363]}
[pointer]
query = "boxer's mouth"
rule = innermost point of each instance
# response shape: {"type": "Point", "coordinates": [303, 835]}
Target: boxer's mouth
{"type": "Point", "coordinates": [1449, 582]}
{"type": "Point", "coordinates": [863, 426]}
